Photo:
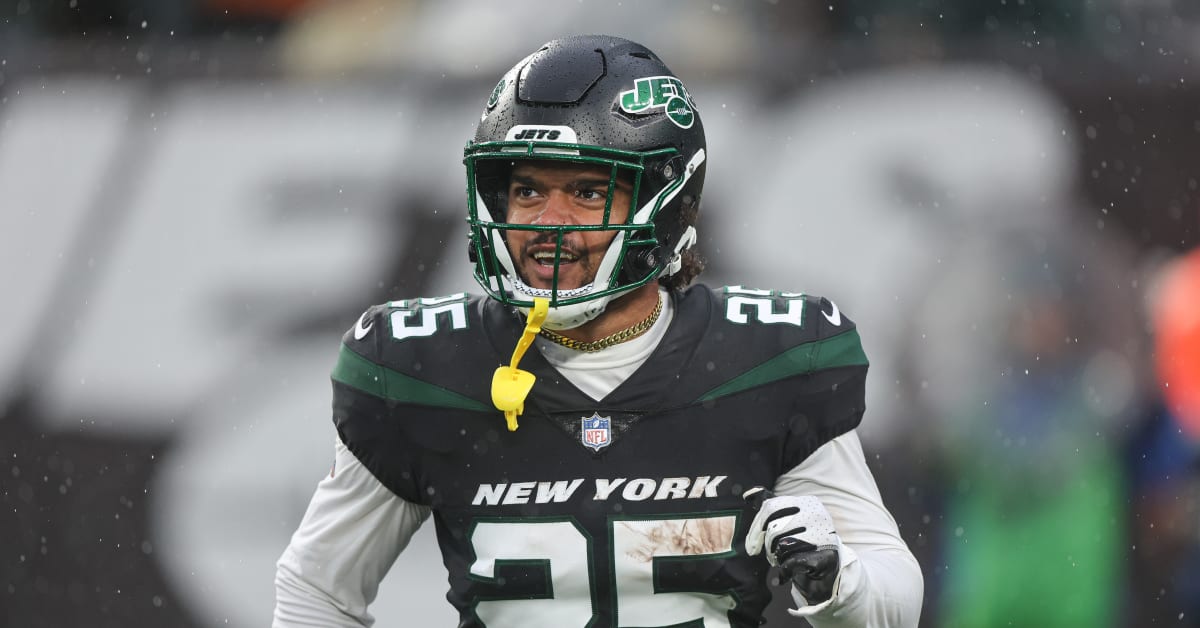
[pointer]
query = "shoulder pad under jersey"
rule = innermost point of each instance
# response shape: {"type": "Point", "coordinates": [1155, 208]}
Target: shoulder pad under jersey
{"type": "Point", "coordinates": [425, 351]}
{"type": "Point", "coordinates": [761, 336]}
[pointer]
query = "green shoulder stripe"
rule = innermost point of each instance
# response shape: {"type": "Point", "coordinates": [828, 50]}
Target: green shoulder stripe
{"type": "Point", "coordinates": [358, 372]}
{"type": "Point", "coordinates": [844, 349]}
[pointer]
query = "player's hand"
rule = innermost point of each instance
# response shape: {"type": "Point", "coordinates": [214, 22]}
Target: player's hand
{"type": "Point", "coordinates": [799, 537]}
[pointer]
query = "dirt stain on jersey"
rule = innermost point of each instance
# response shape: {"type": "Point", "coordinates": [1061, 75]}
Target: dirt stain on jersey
{"type": "Point", "coordinates": [681, 537]}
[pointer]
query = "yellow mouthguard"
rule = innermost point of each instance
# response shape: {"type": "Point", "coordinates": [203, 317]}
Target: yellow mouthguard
{"type": "Point", "coordinates": [511, 385]}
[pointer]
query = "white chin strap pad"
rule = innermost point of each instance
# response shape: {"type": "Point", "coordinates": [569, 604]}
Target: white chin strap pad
{"type": "Point", "coordinates": [562, 316]}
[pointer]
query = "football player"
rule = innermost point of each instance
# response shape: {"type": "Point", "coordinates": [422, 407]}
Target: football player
{"type": "Point", "coordinates": [598, 443]}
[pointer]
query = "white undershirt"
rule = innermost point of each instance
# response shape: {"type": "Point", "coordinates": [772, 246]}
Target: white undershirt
{"type": "Point", "coordinates": [355, 527]}
{"type": "Point", "coordinates": [599, 373]}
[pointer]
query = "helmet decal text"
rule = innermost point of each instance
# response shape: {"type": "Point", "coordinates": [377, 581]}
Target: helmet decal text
{"type": "Point", "coordinates": [542, 133]}
{"type": "Point", "coordinates": [660, 92]}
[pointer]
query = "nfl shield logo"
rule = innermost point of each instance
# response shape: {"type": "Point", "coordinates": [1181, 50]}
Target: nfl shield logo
{"type": "Point", "coordinates": [596, 431]}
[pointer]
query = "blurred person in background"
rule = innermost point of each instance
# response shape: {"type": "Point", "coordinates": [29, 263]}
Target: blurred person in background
{"type": "Point", "coordinates": [608, 489]}
{"type": "Point", "coordinates": [1163, 457]}
{"type": "Point", "coordinates": [1034, 491]}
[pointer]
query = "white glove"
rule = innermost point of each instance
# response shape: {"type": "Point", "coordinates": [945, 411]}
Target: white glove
{"type": "Point", "coordinates": [799, 537]}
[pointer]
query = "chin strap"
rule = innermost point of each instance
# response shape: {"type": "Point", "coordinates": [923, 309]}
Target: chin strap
{"type": "Point", "coordinates": [511, 385]}
{"type": "Point", "coordinates": [562, 316]}
{"type": "Point", "coordinates": [685, 242]}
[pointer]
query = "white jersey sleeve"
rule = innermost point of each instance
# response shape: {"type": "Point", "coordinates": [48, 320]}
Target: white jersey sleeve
{"type": "Point", "coordinates": [881, 582]}
{"type": "Point", "coordinates": [351, 534]}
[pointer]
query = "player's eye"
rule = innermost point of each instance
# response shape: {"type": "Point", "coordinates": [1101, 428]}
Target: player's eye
{"type": "Point", "coordinates": [591, 195]}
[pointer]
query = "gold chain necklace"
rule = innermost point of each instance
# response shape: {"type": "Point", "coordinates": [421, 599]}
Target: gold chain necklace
{"type": "Point", "coordinates": [629, 333]}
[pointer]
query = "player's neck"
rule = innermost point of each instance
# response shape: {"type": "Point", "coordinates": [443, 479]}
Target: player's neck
{"type": "Point", "coordinates": [620, 314]}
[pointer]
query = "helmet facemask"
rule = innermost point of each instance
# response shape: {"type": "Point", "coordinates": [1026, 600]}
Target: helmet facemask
{"type": "Point", "coordinates": [633, 257]}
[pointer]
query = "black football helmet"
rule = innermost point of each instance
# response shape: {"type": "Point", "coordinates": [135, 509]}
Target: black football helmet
{"type": "Point", "coordinates": [595, 100]}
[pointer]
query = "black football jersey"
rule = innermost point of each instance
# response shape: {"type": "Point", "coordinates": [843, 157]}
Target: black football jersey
{"type": "Point", "coordinates": [625, 511]}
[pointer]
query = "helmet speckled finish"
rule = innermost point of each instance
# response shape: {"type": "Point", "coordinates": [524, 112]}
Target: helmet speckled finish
{"type": "Point", "coordinates": [597, 100]}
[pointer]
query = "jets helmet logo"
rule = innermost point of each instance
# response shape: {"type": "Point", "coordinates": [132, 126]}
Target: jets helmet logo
{"type": "Point", "coordinates": [495, 97]}
{"type": "Point", "coordinates": [660, 92]}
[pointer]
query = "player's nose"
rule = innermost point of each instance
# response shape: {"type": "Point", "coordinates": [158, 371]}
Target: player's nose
{"type": "Point", "coordinates": [558, 210]}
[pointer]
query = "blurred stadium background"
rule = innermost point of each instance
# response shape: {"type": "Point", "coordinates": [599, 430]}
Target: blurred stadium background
{"type": "Point", "coordinates": [198, 196]}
